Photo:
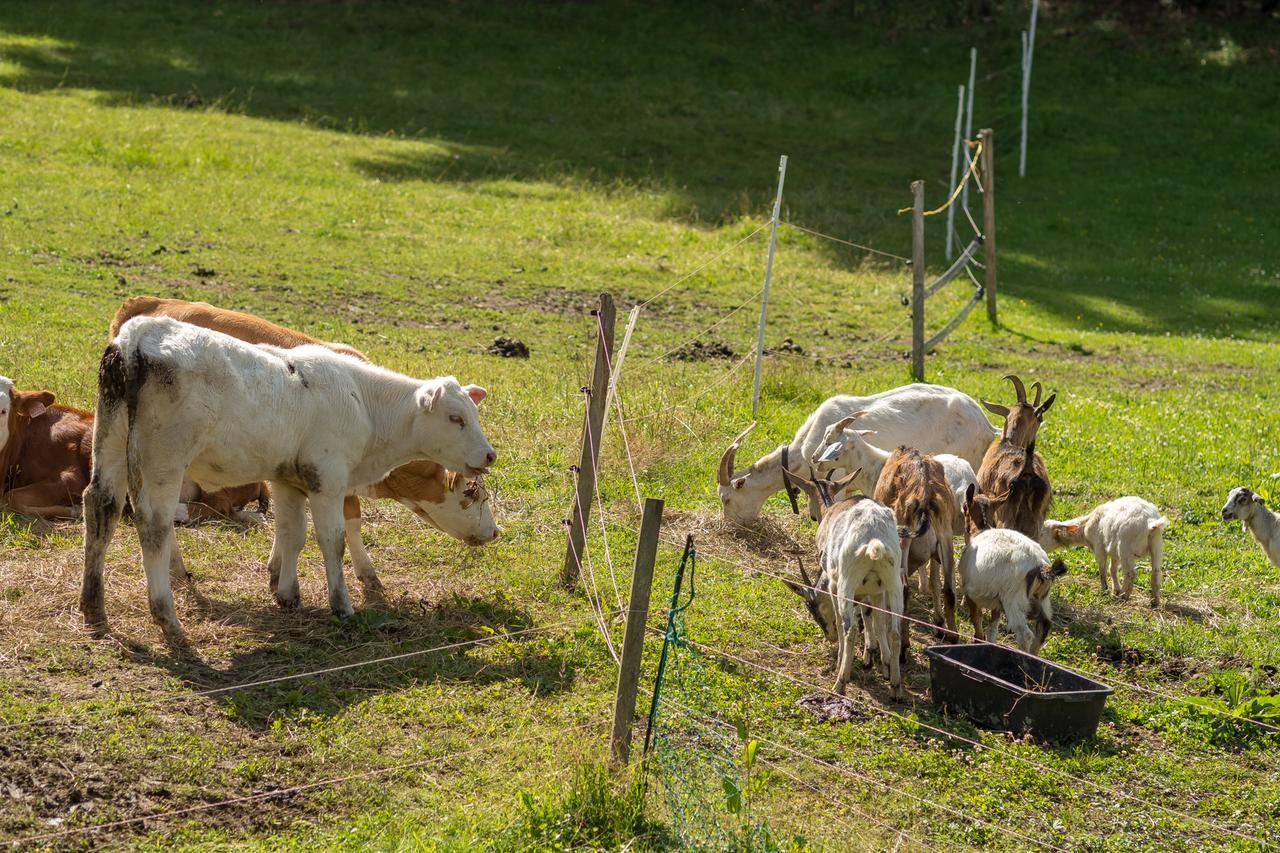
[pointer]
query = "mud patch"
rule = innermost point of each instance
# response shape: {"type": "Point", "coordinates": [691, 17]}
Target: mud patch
{"type": "Point", "coordinates": [787, 347]}
{"type": "Point", "coordinates": [831, 709]}
{"type": "Point", "coordinates": [505, 347]}
{"type": "Point", "coordinates": [698, 351]}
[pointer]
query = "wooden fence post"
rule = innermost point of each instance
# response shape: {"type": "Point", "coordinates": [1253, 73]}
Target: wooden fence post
{"type": "Point", "coordinates": [989, 219]}
{"type": "Point", "coordinates": [624, 704]}
{"type": "Point", "coordinates": [592, 428]}
{"type": "Point", "coordinates": [917, 281]}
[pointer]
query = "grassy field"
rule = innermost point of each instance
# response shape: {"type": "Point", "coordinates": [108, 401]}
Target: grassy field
{"type": "Point", "coordinates": [418, 181]}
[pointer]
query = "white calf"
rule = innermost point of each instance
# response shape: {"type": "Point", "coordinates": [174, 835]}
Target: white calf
{"type": "Point", "coordinates": [1251, 510]}
{"type": "Point", "coordinates": [1119, 532]}
{"type": "Point", "coordinates": [175, 398]}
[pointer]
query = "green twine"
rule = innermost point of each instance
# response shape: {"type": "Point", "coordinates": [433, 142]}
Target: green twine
{"type": "Point", "coordinates": [672, 635]}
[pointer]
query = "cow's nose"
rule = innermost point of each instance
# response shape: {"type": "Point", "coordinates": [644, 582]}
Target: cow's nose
{"type": "Point", "coordinates": [489, 458]}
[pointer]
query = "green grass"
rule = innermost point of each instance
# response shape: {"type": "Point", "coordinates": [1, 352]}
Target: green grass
{"type": "Point", "coordinates": [416, 181]}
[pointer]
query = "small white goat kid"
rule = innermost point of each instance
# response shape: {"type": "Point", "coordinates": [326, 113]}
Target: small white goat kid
{"type": "Point", "coordinates": [1247, 507]}
{"type": "Point", "coordinates": [1003, 571]}
{"type": "Point", "coordinates": [1119, 532]}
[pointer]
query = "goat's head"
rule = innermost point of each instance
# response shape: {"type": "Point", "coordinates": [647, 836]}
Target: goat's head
{"type": "Point", "coordinates": [816, 601]}
{"type": "Point", "coordinates": [741, 493]}
{"type": "Point", "coordinates": [1021, 420]}
{"type": "Point", "coordinates": [980, 509]}
{"type": "Point", "coordinates": [844, 447]}
{"type": "Point", "coordinates": [1061, 534]}
{"type": "Point", "coordinates": [1039, 581]}
{"type": "Point", "coordinates": [1241, 504]}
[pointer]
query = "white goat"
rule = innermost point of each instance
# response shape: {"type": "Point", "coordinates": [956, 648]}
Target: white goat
{"type": "Point", "coordinates": [1251, 510]}
{"type": "Point", "coordinates": [860, 560]}
{"type": "Point", "coordinates": [1003, 571]}
{"type": "Point", "coordinates": [1119, 532]}
{"type": "Point", "coordinates": [847, 449]}
{"type": "Point", "coordinates": [932, 418]}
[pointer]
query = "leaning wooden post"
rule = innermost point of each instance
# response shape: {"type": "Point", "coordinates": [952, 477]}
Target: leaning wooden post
{"type": "Point", "coordinates": [624, 703]}
{"type": "Point", "coordinates": [917, 281]}
{"type": "Point", "coordinates": [989, 219]}
{"type": "Point", "coordinates": [592, 427]}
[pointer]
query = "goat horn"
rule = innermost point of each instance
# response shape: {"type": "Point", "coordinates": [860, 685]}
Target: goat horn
{"type": "Point", "coordinates": [1039, 389]}
{"type": "Point", "coordinates": [803, 575]}
{"type": "Point", "coordinates": [726, 461]}
{"type": "Point", "coordinates": [1018, 387]}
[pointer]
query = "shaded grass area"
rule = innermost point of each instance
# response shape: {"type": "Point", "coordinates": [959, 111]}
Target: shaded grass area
{"type": "Point", "coordinates": [419, 181]}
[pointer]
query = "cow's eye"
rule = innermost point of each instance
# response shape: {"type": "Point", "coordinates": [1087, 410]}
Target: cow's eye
{"type": "Point", "coordinates": [457, 419]}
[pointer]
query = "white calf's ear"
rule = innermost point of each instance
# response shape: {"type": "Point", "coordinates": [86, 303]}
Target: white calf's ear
{"type": "Point", "coordinates": [476, 393]}
{"type": "Point", "coordinates": [429, 395]}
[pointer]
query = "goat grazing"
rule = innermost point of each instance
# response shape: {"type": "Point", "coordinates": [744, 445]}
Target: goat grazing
{"type": "Point", "coordinates": [915, 488]}
{"type": "Point", "coordinates": [860, 561]}
{"type": "Point", "coordinates": [847, 449]}
{"type": "Point", "coordinates": [1119, 532]}
{"type": "Point", "coordinates": [1006, 572]}
{"type": "Point", "coordinates": [1251, 511]}
{"type": "Point", "coordinates": [933, 418]}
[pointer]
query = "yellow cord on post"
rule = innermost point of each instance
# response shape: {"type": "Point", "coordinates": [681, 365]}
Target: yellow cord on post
{"type": "Point", "coordinates": [973, 167]}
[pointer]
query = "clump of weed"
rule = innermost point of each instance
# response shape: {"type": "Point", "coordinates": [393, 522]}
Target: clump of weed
{"type": "Point", "coordinates": [595, 811]}
{"type": "Point", "coordinates": [1237, 712]}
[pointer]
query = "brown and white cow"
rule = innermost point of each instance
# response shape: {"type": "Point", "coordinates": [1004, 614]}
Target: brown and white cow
{"type": "Point", "coordinates": [45, 453]}
{"type": "Point", "coordinates": [456, 505]}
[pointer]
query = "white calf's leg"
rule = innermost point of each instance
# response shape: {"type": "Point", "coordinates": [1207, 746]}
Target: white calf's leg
{"type": "Point", "coordinates": [291, 534]}
{"type": "Point", "coordinates": [359, 556]}
{"type": "Point", "coordinates": [153, 507]}
{"type": "Point", "coordinates": [1157, 559]}
{"type": "Point", "coordinates": [326, 515]}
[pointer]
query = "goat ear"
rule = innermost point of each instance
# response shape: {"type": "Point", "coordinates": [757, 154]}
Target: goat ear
{"type": "Point", "coordinates": [1044, 407]}
{"type": "Point", "coordinates": [1070, 528]}
{"type": "Point", "coordinates": [1056, 570]}
{"type": "Point", "coordinates": [996, 409]}
{"type": "Point", "coordinates": [969, 493]}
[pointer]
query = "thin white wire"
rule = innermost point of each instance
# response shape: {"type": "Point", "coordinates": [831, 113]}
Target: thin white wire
{"type": "Point", "coordinates": [595, 476]}
{"type": "Point", "coordinates": [929, 625]}
{"type": "Point", "coordinates": [705, 390]}
{"type": "Point", "coordinates": [952, 735]}
{"type": "Point", "coordinates": [283, 792]}
{"type": "Point", "coordinates": [713, 326]}
{"type": "Point", "coordinates": [615, 382]}
{"type": "Point", "coordinates": [857, 775]}
{"type": "Point", "coordinates": [593, 594]}
{"type": "Point", "coordinates": [214, 691]}
{"type": "Point", "coordinates": [706, 263]}
{"type": "Point", "coordinates": [846, 242]}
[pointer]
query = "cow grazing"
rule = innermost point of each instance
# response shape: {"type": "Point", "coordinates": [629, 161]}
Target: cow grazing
{"type": "Point", "coordinates": [915, 487]}
{"type": "Point", "coordinates": [454, 505]}
{"type": "Point", "coordinates": [933, 418]}
{"type": "Point", "coordinates": [176, 398]}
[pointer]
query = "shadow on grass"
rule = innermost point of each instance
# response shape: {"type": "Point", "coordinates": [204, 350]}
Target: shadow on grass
{"type": "Point", "coordinates": [418, 644]}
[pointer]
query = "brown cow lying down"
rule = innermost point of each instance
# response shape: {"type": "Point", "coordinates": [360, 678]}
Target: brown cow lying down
{"type": "Point", "coordinates": [449, 502]}
{"type": "Point", "coordinates": [45, 457]}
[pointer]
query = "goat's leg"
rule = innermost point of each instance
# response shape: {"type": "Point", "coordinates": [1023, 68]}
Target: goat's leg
{"type": "Point", "coordinates": [993, 626]}
{"type": "Point", "coordinates": [845, 609]}
{"type": "Point", "coordinates": [291, 534]}
{"type": "Point", "coordinates": [904, 648]}
{"type": "Point", "coordinates": [975, 616]}
{"type": "Point", "coordinates": [946, 559]}
{"type": "Point", "coordinates": [893, 601]}
{"type": "Point", "coordinates": [1100, 554]}
{"type": "Point", "coordinates": [1157, 559]}
{"type": "Point", "coordinates": [866, 619]}
{"type": "Point", "coordinates": [1129, 565]}
{"type": "Point", "coordinates": [1115, 568]}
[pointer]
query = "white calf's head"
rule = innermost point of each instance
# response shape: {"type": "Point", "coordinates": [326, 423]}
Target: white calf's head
{"type": "Point", "coordinates": [463, 512]}
{"type": "Point", "coordinates": [447, 426]}
{"type": "Point", "coordinates": [6, 406]}
{"type": "Point", "coordinates": [1241, 503]}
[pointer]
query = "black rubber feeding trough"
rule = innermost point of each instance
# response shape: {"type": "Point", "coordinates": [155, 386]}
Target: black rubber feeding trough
{"type": "Point", "coordinates": [1004, 688]}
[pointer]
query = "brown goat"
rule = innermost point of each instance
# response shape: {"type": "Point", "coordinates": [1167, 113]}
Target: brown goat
{"type": "Point", "coordinates": [1015, 483]}
{"type": "Point", "coordinates": [1021, 420]}
{"type": "Point", "coordinates": [915, 487]}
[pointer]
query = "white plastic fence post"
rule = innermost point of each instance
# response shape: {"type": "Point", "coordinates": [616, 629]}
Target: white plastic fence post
{"type": "Point", "coordinates": [968, 121]}
{"type": "Point", "coordinates": [768, 276]}
{"type": "Point", "coordinates": [955, 164]}
{"type": "Point", "coordinates": [1028, 51]}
